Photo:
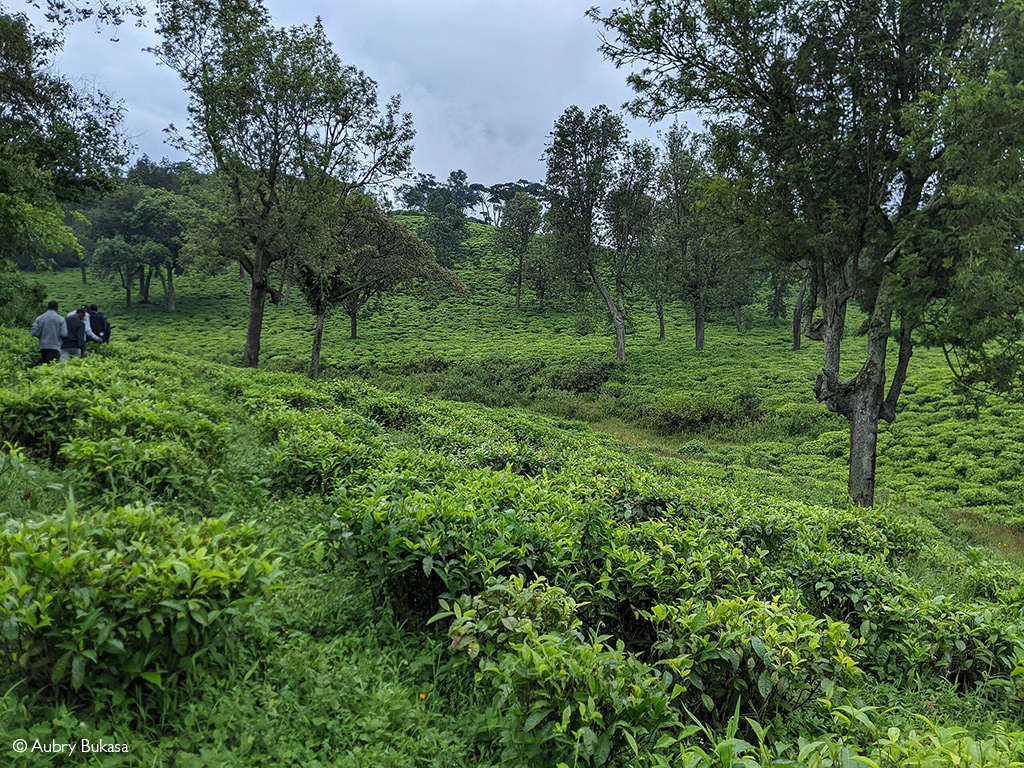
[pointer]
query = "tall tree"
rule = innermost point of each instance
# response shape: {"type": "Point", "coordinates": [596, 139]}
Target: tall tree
{"type": "Point", "coordinates": [629, 210]}
{"type": "Point", "coordinates": [274, 111]}
{"type": "Point", "coordinates": [461, 192]}
{"type": "Point", "coordinates": [683, 239]}
{"type": "Point", "coordinates": [582, 159]}
{"type": "Point", "coordinates": [519, 223]}
{"type": "Point", "coordinates": [151, 222]}
{"type": "Point", "coordinates": [445, 228]}
{"type": "Point", "coordinates": [358, 255]}
{"type": "Point", "coordinates": [891, 134]}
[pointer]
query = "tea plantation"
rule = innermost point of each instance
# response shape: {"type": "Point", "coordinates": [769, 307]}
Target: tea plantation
{"type": "Point", "coordinates": [431, 558]}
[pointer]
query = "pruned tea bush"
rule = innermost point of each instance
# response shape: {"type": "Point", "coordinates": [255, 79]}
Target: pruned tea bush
{"type": "Point", "coordinates": [124, 600]}
{"type": "Point", "coordinates": [693, 412]}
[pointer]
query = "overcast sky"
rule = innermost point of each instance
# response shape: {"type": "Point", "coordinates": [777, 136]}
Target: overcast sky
{"type": "Point", "coordinates": [484, 79]}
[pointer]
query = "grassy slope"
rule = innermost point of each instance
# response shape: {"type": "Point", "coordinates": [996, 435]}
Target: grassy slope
{"type": "Point", "coordinates": [343, 671]}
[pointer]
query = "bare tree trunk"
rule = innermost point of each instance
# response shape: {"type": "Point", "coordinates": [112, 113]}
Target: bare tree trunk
{"type": "Point", "coordinates": [287, 296]}
{"type": "Point", "coordinates": [128, 296]}
{"type": "Point", "coordinates": [169, 289]}
{"type": "Point", "coordinates": [257, 302]}
{"type": "Point", "coordinates": [737, 313]}
{"type": "Point", "coordinates": [618, 319]}
{"type": "Point", "coordinates": [318, 336]}
{"type": "Point", "coordinates": [241, 271]}
{"type": "Point", "coordinates": [81, 265]}
{"type": "Point", "coordinates": [698, 322]}
{"type": "Point", "coordinates": [798, 312]}
{"type": "Point", "coordinates": [519, 280]}
{"type": "Point", "coordinates": [352, 316]}
{"type": "Point", "coordinates": [661, 320]}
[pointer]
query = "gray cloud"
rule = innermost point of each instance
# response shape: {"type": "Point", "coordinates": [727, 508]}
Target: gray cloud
{"type": "Point", "coordinates": [484, 79]}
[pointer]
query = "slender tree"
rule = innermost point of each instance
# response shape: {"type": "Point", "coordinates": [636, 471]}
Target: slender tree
{"type": "Point", "coordinates": [582, 159]}
{"type": "Point", "coordinates": [358, 255]}
{"type": "Point", "coordinates": [519, 223]}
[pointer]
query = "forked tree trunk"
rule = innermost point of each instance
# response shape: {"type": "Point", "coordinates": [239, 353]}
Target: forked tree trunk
{"type": "Point", "coordinates": [660, 308]}
{"type": "Point", "coordinates": [862, 399]}
{"type": "Point", "coordinates": [318, 336]}
{"type": "Point", "coordinates": [798, 312]}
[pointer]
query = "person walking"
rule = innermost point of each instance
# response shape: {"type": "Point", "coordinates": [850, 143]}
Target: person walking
{"type": "Point", "coordinates": [88, 326]}
{"type": "Point", "coordinates": [99, 324]}
{"type": "Point", "coordinates": [50, 328]}
{"type": "Point", "coordinates": [74, 344]}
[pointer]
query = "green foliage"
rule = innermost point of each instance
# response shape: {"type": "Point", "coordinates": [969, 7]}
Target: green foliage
{"type": "Point", "coordinates": [765, 658]}
{"type": "Point", "coordinates": [104, 604]}
{"type": "Point", "coordinates": [689, 414]}
{"type": "Point", "coordinates": [122, 435]}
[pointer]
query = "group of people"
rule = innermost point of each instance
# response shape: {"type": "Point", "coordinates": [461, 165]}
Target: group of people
{"type": "Point", "coordinates": [65, 337]}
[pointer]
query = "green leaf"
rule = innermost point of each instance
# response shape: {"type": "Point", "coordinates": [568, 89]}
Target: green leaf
{"type": "Point", "coordinates": [764, 684]}
{"type": "Point", "coordinates": [77, 672]}
{"type": "Point", "coordinates": [154, 678]}
{"type": "Point", "coordinates": [757, 644]}
{"type": "Point", "coordinates": [534, 719]}
{"type": "Point", "coordinates": [60, 668]}
{"type": "Point", "coordinates": [632, 742]}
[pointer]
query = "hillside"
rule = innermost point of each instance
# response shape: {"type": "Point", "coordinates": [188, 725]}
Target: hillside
{"type": "Point", "coordinates": [745, 401]}
{"type": "Point", "coordinates": [218, 566]}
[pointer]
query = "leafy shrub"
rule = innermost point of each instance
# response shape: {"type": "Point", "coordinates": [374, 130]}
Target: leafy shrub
{"type": "Point", "coordinates": [766, 657]}
{"type": "Point", "coordinates": [693, 412]}
{"type": "Point", "coordinates": [118, 432]}
{"type": "Point", "coordinates": [570, 700]}
{"type": "Point", "coordinates": [749, 406]}
{"type": "Point", "coordinates": [583, 324]}
{"type": "Point", "coordinates": [582, 375]}
{"type": "Point", "coordinates": [316, 450]}
{"type": "Point", "coordinates": [969, 645]}
{"type": "Point", "coordinates": [103, 604]}
{"type": "Point", "coordinates": [489, 623]}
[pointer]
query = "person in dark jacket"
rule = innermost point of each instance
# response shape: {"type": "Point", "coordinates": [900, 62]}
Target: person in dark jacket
{"type": "Point", "coordinates": [50, 328]}
{"type": "Point", "coordinates": [74, 344]}
{"type": "Point", "coordinates": [100, 326]}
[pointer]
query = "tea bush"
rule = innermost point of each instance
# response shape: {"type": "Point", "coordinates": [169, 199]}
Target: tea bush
{"type": "Point", "coordinates": [691, 413]}
{"type": "Point", "coordinates": [102, 604]}
{"type": "Point", "coordinates": [766, 658]}
{"type": "Point", "coordinates": [116, 431]}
